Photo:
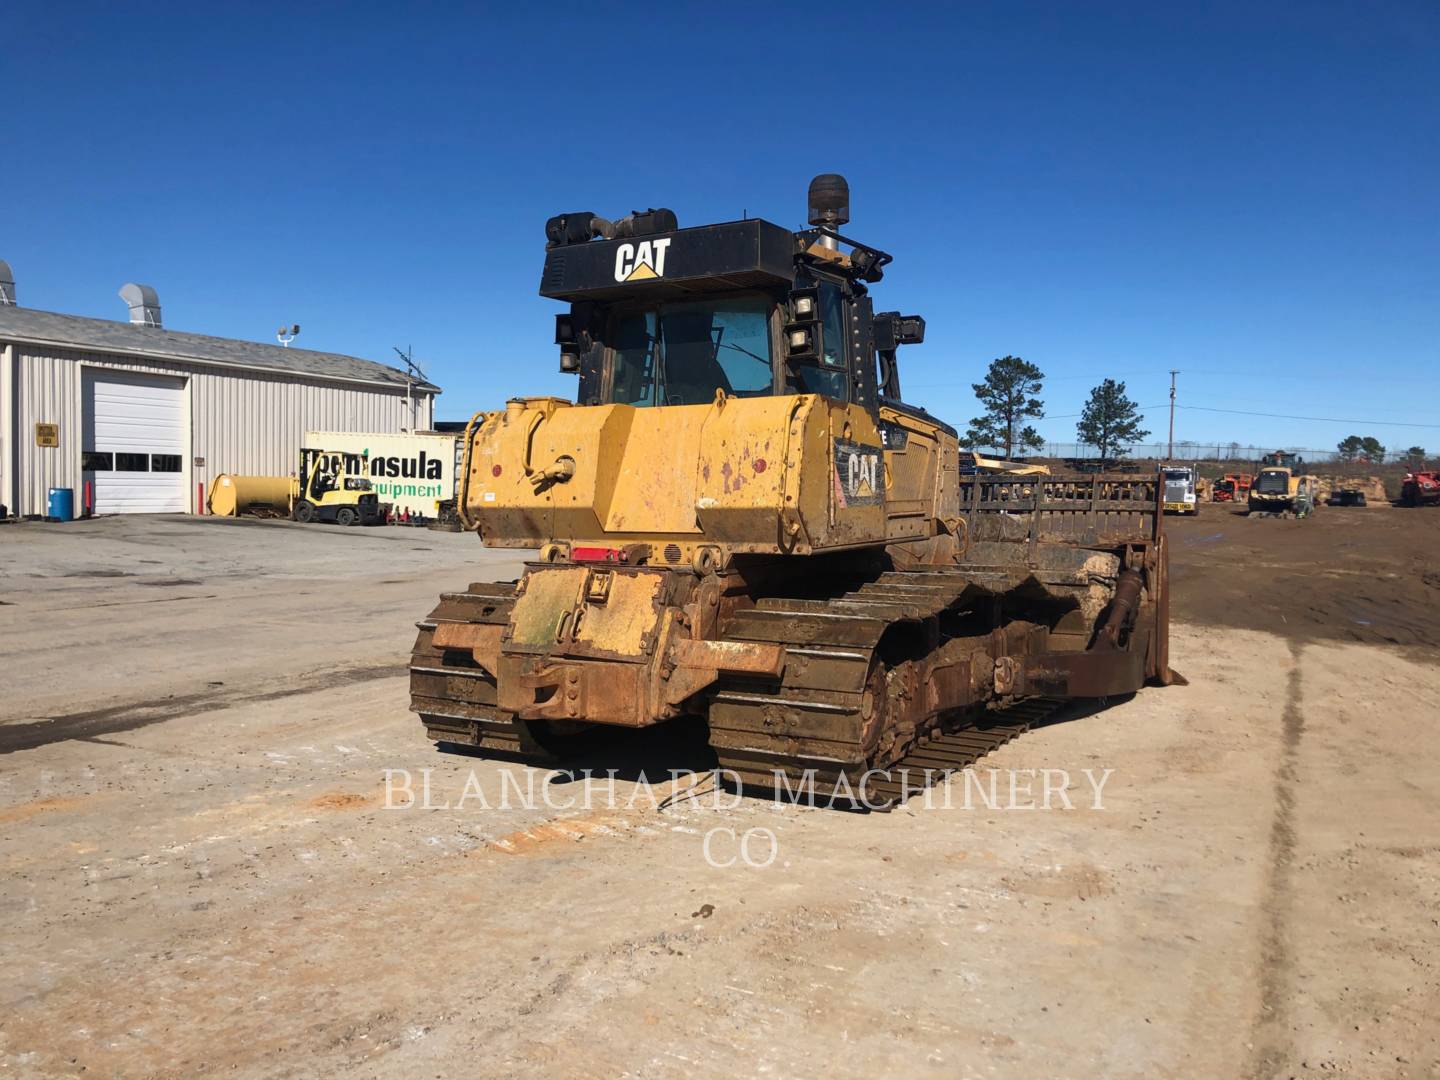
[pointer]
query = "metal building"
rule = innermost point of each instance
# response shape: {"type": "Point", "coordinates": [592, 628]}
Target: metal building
{"type": "Point", "coordinates": [139, 417]}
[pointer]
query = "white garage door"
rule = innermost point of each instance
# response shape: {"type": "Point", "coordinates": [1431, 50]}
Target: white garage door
{"type": "Point", "coordinates": [135, 442]}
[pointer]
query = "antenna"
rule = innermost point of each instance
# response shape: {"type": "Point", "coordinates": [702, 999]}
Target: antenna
{"type": "Point", "coordinates": [407, 354]}
{"type": "Point", "coordinates": [412, 372]}
{"type": "Point", "coordinates": [286, 335]}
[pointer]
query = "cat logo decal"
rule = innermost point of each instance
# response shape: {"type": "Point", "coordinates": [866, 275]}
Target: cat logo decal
{"type": "Point", "coordinates": [642, 261]}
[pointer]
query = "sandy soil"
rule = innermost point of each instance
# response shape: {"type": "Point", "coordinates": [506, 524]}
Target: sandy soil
{"type": "Point", "coordinates": [201, 873]}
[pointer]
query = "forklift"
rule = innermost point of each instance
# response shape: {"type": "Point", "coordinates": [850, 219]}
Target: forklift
{"type": "Point", "coordinates": [331, 494]}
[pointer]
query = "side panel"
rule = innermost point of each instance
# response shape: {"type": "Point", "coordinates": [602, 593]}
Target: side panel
{"type": "Point", "coordinates": [922, 475]}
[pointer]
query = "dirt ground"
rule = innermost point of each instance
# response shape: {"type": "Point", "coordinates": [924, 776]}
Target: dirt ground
{"type": "Point", "coordinates": [1366, 574]}
{"type": "Point", "coordinates": [202, 873]}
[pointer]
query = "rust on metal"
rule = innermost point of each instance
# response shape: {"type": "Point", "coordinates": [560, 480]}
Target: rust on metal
{"type": "Point", "coordinates": [816, 580]}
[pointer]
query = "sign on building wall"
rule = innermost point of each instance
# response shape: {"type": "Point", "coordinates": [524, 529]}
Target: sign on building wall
{"type": "Point", "coordinates": [411, 472]}
{"type": "Point", "coordinates": [47, 434]}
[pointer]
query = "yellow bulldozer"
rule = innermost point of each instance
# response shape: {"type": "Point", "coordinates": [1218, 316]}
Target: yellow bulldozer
{"type": "Point", "coordinates": [743, 525]}
{"type": "Point", "coordinates": [1278, 491]}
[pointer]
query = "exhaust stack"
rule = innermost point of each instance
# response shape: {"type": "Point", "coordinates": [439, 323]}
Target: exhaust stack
{"type": "Point", "coordinates": [144, 304]}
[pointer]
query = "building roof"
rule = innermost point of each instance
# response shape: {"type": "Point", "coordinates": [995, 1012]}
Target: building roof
{"type": "Point", "coordinates": [31, 326]}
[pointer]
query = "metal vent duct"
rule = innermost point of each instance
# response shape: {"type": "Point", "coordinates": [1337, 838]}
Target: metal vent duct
{"type": "Point", "coordinates": [144, 304]}
{"type": "Point", "coordinates": [7, 285]}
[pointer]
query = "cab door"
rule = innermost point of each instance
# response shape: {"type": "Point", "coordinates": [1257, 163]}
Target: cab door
{"type": "Point", "coordinates": [856, 457]}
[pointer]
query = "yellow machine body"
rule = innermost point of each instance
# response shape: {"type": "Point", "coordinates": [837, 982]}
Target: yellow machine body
{"type": "Point", "coordinates": [742, 523]}
{"type": "Point", "coordinates": [232, 495]}
{"type": "Point", "coordinates": [1279, 490]}
{"type": "Point", "coordinates": [789, 475]}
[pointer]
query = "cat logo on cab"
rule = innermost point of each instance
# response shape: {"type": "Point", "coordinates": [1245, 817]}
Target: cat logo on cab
{"type": "Point", "coordinates": [637, 262]}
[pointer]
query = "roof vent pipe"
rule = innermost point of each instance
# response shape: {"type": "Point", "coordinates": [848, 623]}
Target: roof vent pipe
{"type": "Point", "coordinates": [144, 304]}
{"type": "Point", "coordinates": [7, 285]}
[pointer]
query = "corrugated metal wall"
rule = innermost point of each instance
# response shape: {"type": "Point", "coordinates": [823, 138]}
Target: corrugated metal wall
{"type": "Point", "coordinates": [240, 422]}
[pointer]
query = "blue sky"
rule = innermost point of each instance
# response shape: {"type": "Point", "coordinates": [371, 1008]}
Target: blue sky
{"type": "Point", "coordinates": [1246, 192]}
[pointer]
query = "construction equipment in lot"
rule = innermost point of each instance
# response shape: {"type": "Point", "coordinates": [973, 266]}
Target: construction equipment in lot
{"type": "Point", "coordinates": [325, 490]}
{"type": "Point", "coordinates": [1279, 492]}
{"type": "Point", "coordinates": [1232, 487]}
{"type": "Point", "coordinates": [1345, 497]}
{"type": "Point", "coordinates": [1283, 459]}
{"type": "Point", "coordinates": [743, 525]}
{"type": "Point", "coordinates": [1420, 487]}
{"type": "Point", "coordinates": [264, 496]}
{"type": "Point", "coordinates": [322, 490]}
{"type": "Point", "coordinates": [1180, 495]}
{"type": "Point", "coordinates": [974, 462]}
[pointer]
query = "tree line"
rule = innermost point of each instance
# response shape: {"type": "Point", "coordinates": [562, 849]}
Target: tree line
{"type": "Point", "coordinates": [1010, 396]}
{"type": "Point", "coordinates": [1367, 448]}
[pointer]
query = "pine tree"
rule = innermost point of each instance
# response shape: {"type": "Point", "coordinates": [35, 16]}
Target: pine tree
{"type": "Point", "coordinates": [1009, 395]}
{"type": "Point", "coordinates": [1110, 421]}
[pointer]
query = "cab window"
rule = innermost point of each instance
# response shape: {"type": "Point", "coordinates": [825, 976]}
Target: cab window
{"type": "Point", "coordinates": [827, 378]}
{"type": "Point", "coordinates": [680, 354]}
{"type": "Point", "coordinates": [633, 370]}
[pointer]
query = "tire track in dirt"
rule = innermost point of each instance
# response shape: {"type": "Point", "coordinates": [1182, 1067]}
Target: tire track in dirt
{"type": "Point", "coordinates": [1269, 1038]}
{"type": "Point", "coordinates": [114, 719]}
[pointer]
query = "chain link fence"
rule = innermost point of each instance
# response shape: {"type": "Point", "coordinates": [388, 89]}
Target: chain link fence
{"type": "Point", "coordinates": [1190, 451]}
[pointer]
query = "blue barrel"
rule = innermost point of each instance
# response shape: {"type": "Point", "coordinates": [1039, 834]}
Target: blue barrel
{"type": "Point", "coordinates": [61, 505]}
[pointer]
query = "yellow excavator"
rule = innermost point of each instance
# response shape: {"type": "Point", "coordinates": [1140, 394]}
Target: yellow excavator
{"type": "Point", "coordinates": [743, 525]}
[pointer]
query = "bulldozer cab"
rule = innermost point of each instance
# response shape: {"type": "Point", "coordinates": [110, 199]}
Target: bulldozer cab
{"type": "Point", "coordinates": [741, 309]}
{"type": "Point", "coordinates": [685, 352]}
{"type": "Point", "coordinates": [1273, 481]}
{"type": "Point", "coordinates": [665, 326]}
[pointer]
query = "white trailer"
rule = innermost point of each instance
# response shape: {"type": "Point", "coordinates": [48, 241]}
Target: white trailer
{"type": "Point", "coordinates": [414, 473]}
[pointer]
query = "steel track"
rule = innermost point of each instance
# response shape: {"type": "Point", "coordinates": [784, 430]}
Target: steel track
{"type": "Point", "coordinates": [810, 733]}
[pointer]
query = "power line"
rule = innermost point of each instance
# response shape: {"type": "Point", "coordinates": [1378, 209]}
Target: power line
{"type": "Point", "coordinates": [1073, 415]}
{"type": "Point", "coordinates": [1317, 419]}
{"type": "Point", "coordinates": [1158, 373]}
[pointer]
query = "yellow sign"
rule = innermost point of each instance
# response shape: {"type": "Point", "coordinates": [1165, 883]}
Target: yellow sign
{"type": "Point", "coordinates": [47, 434]}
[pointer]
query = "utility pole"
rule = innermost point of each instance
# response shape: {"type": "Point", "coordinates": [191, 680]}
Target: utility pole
{"type": "Point", "coordinates": [1170, 445]}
